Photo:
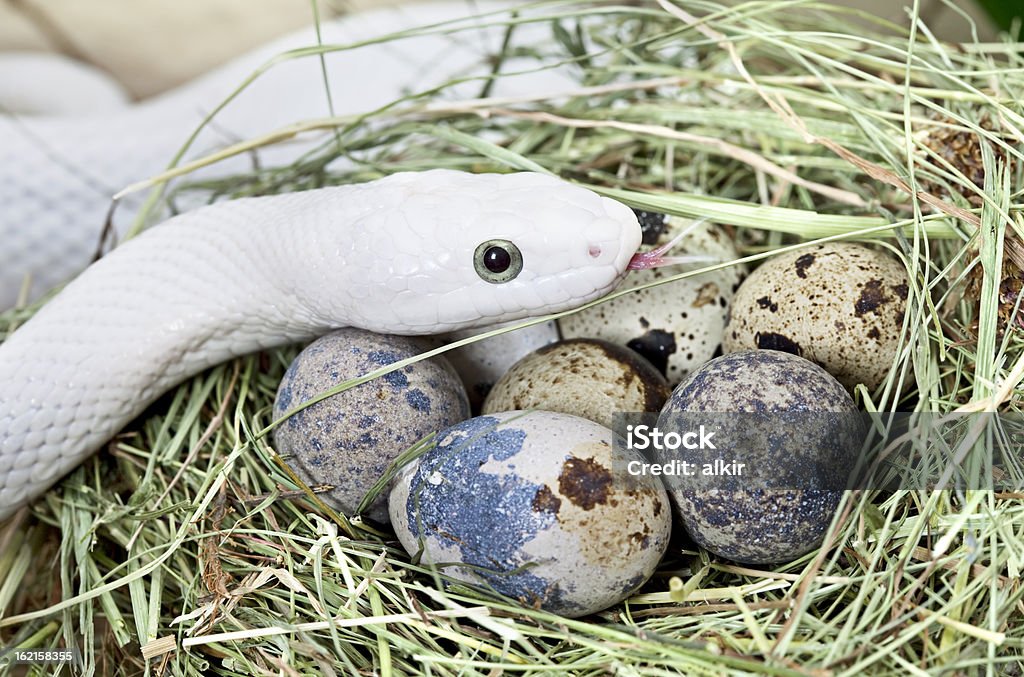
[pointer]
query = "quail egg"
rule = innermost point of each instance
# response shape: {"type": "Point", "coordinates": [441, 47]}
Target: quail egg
{"type": "Point", "coordinates": [482, 363]}
{"type": "Point", "coordinates": [585, 377]}
{"type": "Point", "coordinates": [349, 439]}
{"type": "Point", "coordinates": [679, 325]}
{"type": "Point", "coordinates": [783, 439]}
{"type": "Point", "coordinates": [527, 504]}
{"type": "Point", "coordinates": [838, 304]}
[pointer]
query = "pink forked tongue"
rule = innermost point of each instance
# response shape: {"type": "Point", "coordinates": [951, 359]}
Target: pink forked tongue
{"type": "Point", "coordinates": [656, 258]}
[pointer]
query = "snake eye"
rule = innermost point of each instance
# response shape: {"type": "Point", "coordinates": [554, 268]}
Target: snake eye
{"type": "Point", "coordinates": [497, 261]}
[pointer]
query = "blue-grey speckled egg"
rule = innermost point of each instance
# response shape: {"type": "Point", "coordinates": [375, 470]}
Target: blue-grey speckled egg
{"type": "Point", "coordinates": [348, 440]}
{"type": "Point", "coordinates": [530, 505]}
{"type": "Point", "coordinates": [798, 432]}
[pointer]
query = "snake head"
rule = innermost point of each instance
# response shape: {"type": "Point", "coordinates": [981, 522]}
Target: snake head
{"type": "Point", "coordinates": [470, 250]}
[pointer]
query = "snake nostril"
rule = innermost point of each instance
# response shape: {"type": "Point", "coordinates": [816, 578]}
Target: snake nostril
{"type": "Point", "coordinates": [594, 251]}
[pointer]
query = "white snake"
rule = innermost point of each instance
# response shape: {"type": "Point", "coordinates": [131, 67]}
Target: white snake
{"type": "Point", "coordinates": [396, 255]}
{"type": "Point", "coordinates": [413, 253]}
{"type": "Point", "coordinates": [58, 171]}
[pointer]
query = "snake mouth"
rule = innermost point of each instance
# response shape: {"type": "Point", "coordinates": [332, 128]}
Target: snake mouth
{"type": "Point", "coordinates": [656, 258]}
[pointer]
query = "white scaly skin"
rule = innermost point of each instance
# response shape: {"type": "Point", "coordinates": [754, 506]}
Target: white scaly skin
{"type": "Point", "coordinates": [392, 256]}
{"type": "Point", "coordinates": [58, 172]}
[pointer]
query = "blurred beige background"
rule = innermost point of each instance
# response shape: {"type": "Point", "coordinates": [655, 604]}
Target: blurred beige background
{"type": "Point", "coordinates": [152, 45]}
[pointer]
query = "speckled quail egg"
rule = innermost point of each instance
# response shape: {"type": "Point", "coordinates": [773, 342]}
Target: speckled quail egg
{"type": "Point", "coordinates": [482, 363]}
{"type": "Point", "coordinates": [527, 504]}
{"type": "Point", "coordinates": [349, 439]}
{"type": "Point", "coordinates": [584, 377]}
{"type": "Point", "coordinates": [796, 433]}
{"type": "Point", "coordinates": [838, 304]}
{"type": "Point", "coordinates": [677, 326]}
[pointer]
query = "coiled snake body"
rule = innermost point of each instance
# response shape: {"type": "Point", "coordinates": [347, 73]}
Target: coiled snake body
{"type": "Point", "coordinates": [399, 255]}
{"type": "Point", "coordinates": [413, 253]}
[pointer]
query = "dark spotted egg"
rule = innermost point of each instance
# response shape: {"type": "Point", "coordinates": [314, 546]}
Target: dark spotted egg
{"type": "Point", "coordinates": [528, 504]}
{"type": "Point", "coordinates": [349, 439]}
{"type": "Point", "coordinates": [794, 428]}
{"type": "Point", "coordinates": [838, 304]}
{"type": "Point", "coordinates": [677, 326]}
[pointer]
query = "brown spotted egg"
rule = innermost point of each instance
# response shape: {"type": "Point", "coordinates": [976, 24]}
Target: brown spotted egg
{"type": "Point", "coordinates": [527, 504]}
{"type": "Point", "coordinates": [677, 326]}
{"type": "Point", "coordinates": [585, 377]}
{"type": "Point", "coordinates": [348, 440]}
{"type": "Point", "coordinates": [838, 304]}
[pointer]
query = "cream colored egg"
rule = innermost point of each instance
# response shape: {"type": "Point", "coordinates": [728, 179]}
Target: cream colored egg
{"type": "Point", "coordinates": [838, 304]}
{"type": "Point", "coordinates": [589, 378]}
{"type": "Point", "coordinates": [677, 326]}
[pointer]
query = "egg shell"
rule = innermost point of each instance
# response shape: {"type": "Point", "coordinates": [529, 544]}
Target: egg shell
{"type": "Point", "coordinates": [756, 523]}
{"type": "Point", "coordinates": [526, 504]}
{"type": "Point", "coordinates": [482, 363]}
{"type": "Point", "coordinates": [584, 377]}
{"type": "Point", "coordinates": [349, 439]}
{"type": "Point", "coordinates": [677, 326]}
{"type": "Point", "coordinates": [838, 304]}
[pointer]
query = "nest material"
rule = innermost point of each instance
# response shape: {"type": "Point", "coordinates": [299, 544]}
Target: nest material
{"type": "Point", "coordinates": [812, 145]}
{"type": "Point", "coordinates": [961, 149]}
